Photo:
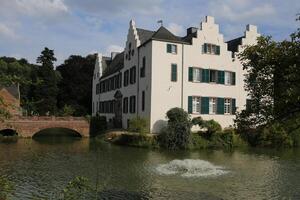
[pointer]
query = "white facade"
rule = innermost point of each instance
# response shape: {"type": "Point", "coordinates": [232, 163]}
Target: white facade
{"type": "Point", "coordinates": [199, 73]}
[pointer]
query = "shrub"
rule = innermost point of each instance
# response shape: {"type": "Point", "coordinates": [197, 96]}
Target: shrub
{"type": "Point", "coordinates": [98, 125]}
{"type": "Point", "coordinates": [136, 140]}
{"type": "Point", "coordinates": [178, 131]}
{"type": "Point", "coordinates": [138, 125]}
{"type": "Point", "coordinates": [198, 142]}
{"type": "Point", "coordinates": [275, 135]}
{"type": "Point", "coordinates": [197, 121]}
{"type": "Point", "coordinates": [66, 111]}
{"type": "Point", "coordinates": [211, 127]}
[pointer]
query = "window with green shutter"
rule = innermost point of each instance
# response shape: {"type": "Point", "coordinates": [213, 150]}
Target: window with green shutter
{"type": "Point", "coordinates": [204, 105]}
{"type": "Point", "coordinates": [233, 78]}
{"type": "Point", "coordinates": [191, 74]}
{"type": "Point", "coordinates": [169, 48]}
{"type": "Point", "coordinates": [217, 50]}
{"type": "Point", "coordinates": [174, 72]}
{"type": "Point", "coordinates": [233, 104]}
{"type": "Point", "coordinates": [190, 104]}
{"type": "Point", "coordinates": [220, 106]}
{"type": "Point", "coordinates": [221, 77]}
{"type": "Point", "coordinates": [205, 48]}
{"type": "Point", "coordinates": [205, 76]}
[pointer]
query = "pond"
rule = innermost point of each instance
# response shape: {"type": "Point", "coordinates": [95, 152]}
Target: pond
{"type": "Point", "coordinates": [40, 168]}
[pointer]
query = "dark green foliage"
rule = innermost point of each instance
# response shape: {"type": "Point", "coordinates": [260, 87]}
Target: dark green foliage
{"type": "Point", "coordinates": [98, 125]}
{"type": "Point", "coordinates": [273, 83]}
{"type": "Point", "coordinates": [6, 188]}
{"type": "Point", "coordinates": [211, 127]}
{"type": "Point", "coordinates": [138, 125]}
{"type": "Point", "coordinates": [177, 133]}
{"type": "Point", "coordinates": [137, 140]}
{"type": "Point", "coordinates": [197, 121]}
{"type": "Point", "coordinates": [75, 87]}
{"type": "Point", "coordinates": [46, 92]}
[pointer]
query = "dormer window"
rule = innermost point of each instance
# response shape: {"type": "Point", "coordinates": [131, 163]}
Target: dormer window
{"type": "Point", "coordinates": [211, 49]}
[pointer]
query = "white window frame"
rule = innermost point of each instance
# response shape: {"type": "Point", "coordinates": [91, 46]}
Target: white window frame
{"type": "Point", "coordinates": [197, 74]}
{"type": "Point", "coordinates": [227, 106]}
{"type": "Point", "coordinates": [228, 78]}
{"type": "Point", "coordinates": [212, 105]}
{"type": "Point", "coordinates": [196, 104]}
{"type": "Point", "coordinates": [173, 48]}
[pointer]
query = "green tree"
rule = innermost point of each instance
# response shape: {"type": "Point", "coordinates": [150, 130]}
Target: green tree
{"type": "Point", "coordinates": [47, 90]}
{"type": "Point", "coordinates": [273, 84]}
{"type": "Point", "coordinates": [177, 134]}
{"type": "Point", "coordinates": [75, 86]}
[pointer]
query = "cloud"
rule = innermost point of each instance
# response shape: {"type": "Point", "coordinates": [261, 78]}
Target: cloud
{"type": "Point", "coordinates": [7, 32]}
{"type": "Point", "coordinates": [44, 8]}
{"type": "Point", "coordinates": [176, 29]}
{"type": "Point", "coordinates": [239, 12]}
{"type": "Point", "coordinates": [117, 7]}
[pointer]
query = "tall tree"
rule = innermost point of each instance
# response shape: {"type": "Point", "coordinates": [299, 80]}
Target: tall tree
{"type": "Point", "coordinates": [273, 83]}
{"type": "Point", "coordinates": [46, 92]}
{"type": "Point", "coordinates": [75, 86]}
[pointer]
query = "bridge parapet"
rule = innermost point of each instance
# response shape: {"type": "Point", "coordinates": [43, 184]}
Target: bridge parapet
{"type": "Point", "coordinates": [28, 126]}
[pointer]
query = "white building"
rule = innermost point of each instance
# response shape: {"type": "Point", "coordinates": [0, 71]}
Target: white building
{"type": "Point", "coordinates": [158, 71]}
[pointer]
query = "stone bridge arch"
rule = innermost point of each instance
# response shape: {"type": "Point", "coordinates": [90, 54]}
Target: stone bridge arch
{"type": "Point", "coordinates": [28, 126]}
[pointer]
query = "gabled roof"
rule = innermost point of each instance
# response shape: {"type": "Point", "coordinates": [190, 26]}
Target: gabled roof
{"type": "Point", "coordinates": [232, 45]}
{"type": "Point", "coordinates": [162, 34]}
{"type": "Point", "coordinates": [114, 65]}
{"type": "Point", "coordinates": [144, 35]}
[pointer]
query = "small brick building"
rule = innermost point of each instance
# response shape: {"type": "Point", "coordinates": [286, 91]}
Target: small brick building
{"type": "Point", "coordinates": [11, 98]}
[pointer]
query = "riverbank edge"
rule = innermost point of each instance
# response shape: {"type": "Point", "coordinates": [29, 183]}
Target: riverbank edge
{"type": "Point", "coordinates": [126, 138]}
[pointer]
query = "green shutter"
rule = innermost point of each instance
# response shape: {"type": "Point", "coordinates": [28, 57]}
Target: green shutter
{"type": "Point", "coordinates": [220, 106]}
{"type": "Point", "coordinates": [190, 104]}
{"type": "Point", "coordinates": [233, 78]}
{"type": "Point", "coordinates": [221, 78]}
{"type": "Point", "coordinates": [191, 74]}
{"type": "Point", "coordinates": [205, 76]}
{"type": "Point", "coordinates": [169, 48]}
{"type": "Point", "coordinates": [174, 72]}
{"type": "Point", "coordinates": [205, 48]}
{"type": "Point", "coordinates": [204, 105]}
{"type": "Point", "coordinates": [233, 106]}
{"type": "Point", "coordinates": [218, 50]}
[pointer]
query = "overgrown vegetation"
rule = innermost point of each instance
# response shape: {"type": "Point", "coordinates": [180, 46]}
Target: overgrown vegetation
{"type": "Point", "coordinates": [138, 125]}
{"type": "Point", "coordinates": [98, 125]}
{"type": "Point", "coordinates": [177, 134]}
{"type": "Point", "coordinates": [273, 83]}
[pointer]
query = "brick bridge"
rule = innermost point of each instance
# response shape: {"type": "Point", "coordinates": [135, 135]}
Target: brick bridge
{"type": "Point", "coordinates": [28, 126]}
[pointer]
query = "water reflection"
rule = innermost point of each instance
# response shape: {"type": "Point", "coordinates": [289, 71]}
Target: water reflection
{"type": "Point", "coordinates": [43, 168]}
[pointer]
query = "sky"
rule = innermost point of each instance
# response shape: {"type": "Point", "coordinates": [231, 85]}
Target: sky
{"type": "Point", "coordinates": [82, 27]}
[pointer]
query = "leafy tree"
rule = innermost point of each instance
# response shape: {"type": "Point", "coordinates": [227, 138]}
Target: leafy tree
{"type": "Point", "coordinates": [76, 83]}
{"type": "Point", "coordinates": [47, 90]}
{"type": "Point", "coordinates": [273, 84]}
{"type": "Point", "coordinates": [177, 134]}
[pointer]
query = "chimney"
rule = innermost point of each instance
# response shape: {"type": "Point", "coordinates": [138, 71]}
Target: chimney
{"type": "Point", "coordinates": [191, 30]}
{"type": "Point", "coordinates": [113, 55]}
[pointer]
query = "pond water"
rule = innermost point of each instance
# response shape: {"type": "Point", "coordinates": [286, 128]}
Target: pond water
{"type": "Point", "coordinates": [40, 168]}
